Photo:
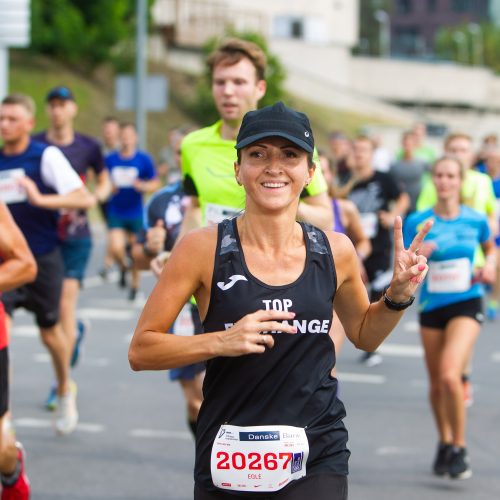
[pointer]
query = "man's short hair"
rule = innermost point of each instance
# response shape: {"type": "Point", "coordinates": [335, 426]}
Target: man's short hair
{"type": "Point", "coordinates": [109, 119]}
{"type": "Point", "coordinates": [127, 125]}
{"type": "Point", "coordinates": [456, 135]}
{"type": "Point", "coordinates": [233, 50]}
{"type": "Point", "coordinates": [365, 138]}
{"type": "Point", "coordinates": [21, 100]}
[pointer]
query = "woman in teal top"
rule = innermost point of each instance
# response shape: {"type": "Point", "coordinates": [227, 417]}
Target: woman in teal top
{"type": "Point", "coordinates": [451, 306]}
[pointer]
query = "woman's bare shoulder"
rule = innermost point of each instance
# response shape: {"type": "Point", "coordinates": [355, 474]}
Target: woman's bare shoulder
{"type": "Point", "coordinates": [347, 206]}
{"type": "Point", "coordinates": [199, 241]}
{"type": "Point", "coordinates": [340, 244]}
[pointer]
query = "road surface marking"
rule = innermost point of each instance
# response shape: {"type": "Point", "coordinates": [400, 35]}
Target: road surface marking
{"type": "Point", "coordinates": [395, 450]}
{"type": "Point", "coordinates": [161, 434]}
{"type": "Point", "coordinates": [362, 378]}
{"type": "Point", "coordinates": [39, 423]}
{"type": "Point", "coordinates": [108, 314]}
{"type": "Point", "coordinates": [25, 331]}
{"type": "Point", "coordinates": [401, 350]}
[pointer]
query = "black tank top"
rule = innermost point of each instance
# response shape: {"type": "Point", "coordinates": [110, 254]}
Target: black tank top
{"type": "Point", "coordinates": [289, 384]}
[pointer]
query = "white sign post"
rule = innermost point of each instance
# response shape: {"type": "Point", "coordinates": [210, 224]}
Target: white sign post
{"type": "Point", "coordinates": [15, 27]}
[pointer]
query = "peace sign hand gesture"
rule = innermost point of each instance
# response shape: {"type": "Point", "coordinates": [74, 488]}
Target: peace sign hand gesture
{"type": "Point", "coordinates": [410, 268]}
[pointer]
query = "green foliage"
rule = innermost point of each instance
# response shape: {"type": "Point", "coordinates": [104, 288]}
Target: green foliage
{"type": "Point", "coordinates": [369, 28]}
{"type": "Point", "coordinates": [201, 107]}
{"type": "Point", "coordinates": [447, 46]}
{"type": "Point", "coordinates": [83, 33]}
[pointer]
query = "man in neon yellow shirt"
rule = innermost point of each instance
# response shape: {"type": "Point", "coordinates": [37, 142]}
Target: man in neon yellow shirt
{"type": "Point", "coordinates": [208, 155]}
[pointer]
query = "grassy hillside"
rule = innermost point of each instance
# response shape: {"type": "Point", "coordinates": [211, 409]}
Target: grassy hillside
{"type": "Point", "coordinates": [35, 75]}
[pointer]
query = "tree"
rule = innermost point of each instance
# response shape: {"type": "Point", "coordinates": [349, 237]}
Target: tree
{"type": "Point", "coordinates": [201, 107]}
{"type": "Point", "coordinates": [81, 32]}
{"type": "Point", "coordinates": [369, 29]}
{"type": "Point", "coordinates": [448, 45]}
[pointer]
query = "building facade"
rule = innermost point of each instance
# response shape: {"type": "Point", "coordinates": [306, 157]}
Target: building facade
{"type": "Point", "coordinates": [414, 23]}
{"type": "Point", "coordinates": [322, 22]}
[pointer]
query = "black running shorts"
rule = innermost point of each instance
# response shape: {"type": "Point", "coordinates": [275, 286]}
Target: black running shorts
{"type": "Point", "coordinates": [439, 318]}
{"type": "Point", "coordinates": [4, 381]}
{"type": "Point", "coordinates": [317, 486]}
{"type": "Point", "coordinates": [41, 297]}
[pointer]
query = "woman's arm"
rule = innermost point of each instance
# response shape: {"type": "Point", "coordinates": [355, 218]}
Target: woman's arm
{"type": "Point", "coordinates": [367, 325]}
{"type": "Point", "coordinates": [189, 271]}
{"type": "Point", "coordinates": [17, 264]}
{"type": "Point", "coordinates": [487, 274]}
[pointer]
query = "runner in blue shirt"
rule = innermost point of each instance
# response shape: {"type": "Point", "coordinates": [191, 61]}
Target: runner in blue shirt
{"type": "Point", "coordinates": [84, 154]}
{"type": "Point", "coordinates": [162, 222]}
{"type": "Point", "coordinates": [36, 182]}
{"type": "Point", "coordinates": [451, 306]}
{"type": "Point", "coordinates": [132, 174]}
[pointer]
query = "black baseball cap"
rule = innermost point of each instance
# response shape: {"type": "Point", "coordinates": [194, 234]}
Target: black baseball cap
{"type": "Point", "coordinates": [276, 120]}
{"type": "Point", "coordinates": [63, 93]}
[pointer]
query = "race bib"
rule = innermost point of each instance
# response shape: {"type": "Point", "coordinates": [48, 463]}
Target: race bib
{"type": "Point", "coordinates": [10, 190]}
{"type": "Point", "coordinates": [124, 177]}
{"type": "Point", "coordinates": [184, 323]}
{"type": "Point", "coordinates": [217, 213]}
{"type": "Point", "coordinates": [261, 458]}
{"type": "Point", "coordinates": [449, 276]}
{"type": "Point", "coordinates": [173, 214]}
{"type": "Point", "coordinates": [369, 222]}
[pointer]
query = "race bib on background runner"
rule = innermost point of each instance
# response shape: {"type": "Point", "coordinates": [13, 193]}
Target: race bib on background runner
{"type": "Point", "coordinates": [10, 190]}
{"type": "Point", "coordinates": [369, 222]}
{"type": "Point", "coordinates": [124, 177]}
{"type": "Point", "coordinates": [449, 276]}
{"type": "Point", "coordinates": [184, 325]}
{"type": "Point", "coordinates": [217, 213]}
{"type": "Point", "coordinates": [260, 458]}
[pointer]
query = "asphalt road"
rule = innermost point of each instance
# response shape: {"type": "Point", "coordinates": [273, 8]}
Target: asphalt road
{"type": "Point", "coordinates": [133, 442]}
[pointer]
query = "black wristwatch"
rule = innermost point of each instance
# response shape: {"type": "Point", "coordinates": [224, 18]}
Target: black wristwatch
{"type": "Point", "coordinates": [396, 306]}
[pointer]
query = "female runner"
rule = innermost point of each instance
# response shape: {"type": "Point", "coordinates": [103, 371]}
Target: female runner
{"type": "Point", "coordinates": [265, 286]}
{"type": "Point", "coordinates": [451, 306]}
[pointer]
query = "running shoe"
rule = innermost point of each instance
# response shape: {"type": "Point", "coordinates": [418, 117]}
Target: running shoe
{"type": "Point", "coordinates": [51, 401]}
{"type": "Point", "coordinates": [459, 465]}
{"type": "Point", "coordinates": [122, 282]}
{"type": "Point", "coordinates": [104, 273]}
{"type": "Point", "coordinates": [441, 463]}
{"type": "Point", "coordinates": [8, 426]}
{"type": "Point", "coordinates": [67, 416]}
{"type": "Point", "coordinates": [20, 488]}
{"type": "Point", "coordinates": [82, 328]}
{"type": "Point", "coordinates": [371, 359]}
{"type": "Point", "coordinates": [132, 294]}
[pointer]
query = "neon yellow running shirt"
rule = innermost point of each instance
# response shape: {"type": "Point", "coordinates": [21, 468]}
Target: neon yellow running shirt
{"type": "Point", "coordinates": [208, 163]}
{"type": "Point", "coordinates": [477, 193]}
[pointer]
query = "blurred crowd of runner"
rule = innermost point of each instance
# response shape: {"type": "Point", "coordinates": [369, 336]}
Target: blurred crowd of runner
{"type": "Point", "coordinates": [50, 179]}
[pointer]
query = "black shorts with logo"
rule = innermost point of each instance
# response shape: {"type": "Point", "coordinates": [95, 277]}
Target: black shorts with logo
{"type": "Point", "coordinates": [316, 486]}
{"type": "Point", "coordinates": [41, 297]}
{"type": "Point", "coordinates": [439, 318]}
{"type": "Point", "coordinates": [4, 381]}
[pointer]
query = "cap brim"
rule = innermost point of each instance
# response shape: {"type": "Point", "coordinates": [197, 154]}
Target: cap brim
{"type": "Point", "coordinates": [276, 133]}
{"type": "Point", "coordinates": [60, 97]}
